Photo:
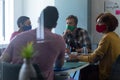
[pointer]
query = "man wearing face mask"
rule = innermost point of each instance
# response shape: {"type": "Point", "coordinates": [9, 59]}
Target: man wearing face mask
{"type": "Point", "coordinates": [75, 37]}
{"type": "Point", "coordinates": [24, 24]}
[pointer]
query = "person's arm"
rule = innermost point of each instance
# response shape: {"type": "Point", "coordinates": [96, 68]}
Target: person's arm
{"type": "Point", "coordinates": [61, 57]}
{"type": "Point", "coordinates": [65, 33]}
{"type": "Point", "coordinates": [59, 63]}
{"type": "Point", "coordinates": [79, 57]}
{"type": "Point", "coordinates": [6, 55]}
{"type": "Point", "coordinates": [96, 55]}
{"type": "Point", "coordinates": [67, 40]}
{"type": "Point", "coordinates": [87, 40]}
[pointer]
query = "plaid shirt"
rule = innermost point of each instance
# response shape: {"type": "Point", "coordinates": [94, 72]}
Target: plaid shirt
{"type": "Point", "coordinates": [78, 39]}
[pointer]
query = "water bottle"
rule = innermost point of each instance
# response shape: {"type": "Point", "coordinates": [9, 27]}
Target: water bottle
{"type": "Point", "coordinates": [85, 50]}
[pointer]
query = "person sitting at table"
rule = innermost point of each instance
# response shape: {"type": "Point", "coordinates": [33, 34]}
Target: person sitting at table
{"type": "Point", "coordinates": [108, 48]}
{"type": "Point", "coordinates": [75, 38]}
{"type": "Point", "coordinates": [47, 54]}
{"type": "Point", "coordinates": [24, 24]}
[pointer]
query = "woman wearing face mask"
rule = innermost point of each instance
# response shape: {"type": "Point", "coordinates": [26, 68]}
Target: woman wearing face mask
{"type": "Point", "coordinates": [24, 24]}
{"type": "Point", "coordinates": [108, 48]}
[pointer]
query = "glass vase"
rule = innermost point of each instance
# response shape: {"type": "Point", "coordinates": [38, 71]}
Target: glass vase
{"type": "Point", "coordinates": [27, 71]}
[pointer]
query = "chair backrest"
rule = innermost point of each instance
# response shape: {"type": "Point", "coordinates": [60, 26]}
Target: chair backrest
{"type": "Point", "coordinates": [1, 50]}
{"type": "Point", "coordinates": [115, 71]}
{"type": "Point", "coordinates": [11, 71]}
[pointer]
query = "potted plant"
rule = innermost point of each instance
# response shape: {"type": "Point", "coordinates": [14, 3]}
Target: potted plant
{"type": "Point", "coordinates": [27, 71]}
{"type": "Point", "coordinates": [27, 51]}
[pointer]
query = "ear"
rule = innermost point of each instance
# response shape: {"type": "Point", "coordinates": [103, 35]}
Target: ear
{"type": "Point", "coordinates": [20, 25]}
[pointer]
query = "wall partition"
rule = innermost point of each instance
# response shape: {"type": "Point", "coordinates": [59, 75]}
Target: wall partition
{"type": "Point", "coordinates": [6, 20]}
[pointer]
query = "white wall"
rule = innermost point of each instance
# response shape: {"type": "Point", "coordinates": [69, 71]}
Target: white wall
{"type": "Point", "coordinates": [112, 7]}
{"type": "Point", "coordinates": [68, 7]}
{"type": "Point", "coordinates": [97, 7]}
{"type": "Point", "coordinates": [33, 8]}
{"type": "Point", "coordinates": [18, 11]}
{"type": "Point", "coordinates": [30, 8]}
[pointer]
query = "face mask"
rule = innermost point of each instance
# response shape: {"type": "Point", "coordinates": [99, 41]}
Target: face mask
{"type": "Point", "coordinates": [71, 28]}
{"type": "Point", "coordinates": [25, 28]}
{"type": "Point", "coordinates": [100, 28]}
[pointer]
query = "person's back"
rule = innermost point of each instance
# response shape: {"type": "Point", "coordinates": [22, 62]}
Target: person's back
{"type": "Point", "coordinates": [46, 54]}
{"type": "Point", "coordinates": [112, 52]}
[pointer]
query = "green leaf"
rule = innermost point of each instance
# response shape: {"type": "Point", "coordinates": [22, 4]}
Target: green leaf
{"type": "Point", "coordinates": [27, 51]}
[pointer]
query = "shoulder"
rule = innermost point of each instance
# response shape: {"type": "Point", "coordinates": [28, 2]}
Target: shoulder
{"type": "Point", "coordinates": [24, 36]}
{"type": "Point", "coordinates": [27, 33]}
{"type": "Point", "coordinates": [111, 36]}
{"type": "Point", "coordinates": [58, 36]}
{"type": "Point", "coordinates": [106, 37]}
{"type": "Point", "coordinates": [59, 39]}
{"type": "Point", "coordinates": [15, 33]}
{"type": "Point", "coordinates": [81, 30]}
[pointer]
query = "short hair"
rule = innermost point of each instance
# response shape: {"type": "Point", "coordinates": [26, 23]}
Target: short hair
{"type": "Point", "coordinates": [21, 20]}
{"type": "Point", "coordinates": [50, 17]}
{"type": "Point", "coordinates": [73, 17]}
{"type": "Point", "coordinates": [109, 19]}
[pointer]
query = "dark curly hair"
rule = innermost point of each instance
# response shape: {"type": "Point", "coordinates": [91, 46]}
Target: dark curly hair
{"type": "Point", "coordinates": [109, 19]}
{"type": "Point", "coordinates": [21, 20]}
{"type": "Point", "coordinates": [50, 17]}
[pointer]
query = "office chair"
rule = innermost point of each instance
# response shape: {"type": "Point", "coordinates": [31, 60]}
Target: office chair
{"type": "Point", "coordinates": [115, 71]}
{"type": "Point", "coordinates": [11, 71]}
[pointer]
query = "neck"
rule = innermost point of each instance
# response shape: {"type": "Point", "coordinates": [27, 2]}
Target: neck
{"type": "Point", "coordinates": [48, 29]}
{"type": "Point", "coordinates": [20, 30]}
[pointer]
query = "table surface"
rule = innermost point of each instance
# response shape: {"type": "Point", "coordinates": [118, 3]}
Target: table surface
{"type": "Point", "coordinates": [72, 66]}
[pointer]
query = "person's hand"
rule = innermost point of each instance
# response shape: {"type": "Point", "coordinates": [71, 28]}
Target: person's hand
{"type": "Point", "coordinates": [79, 50]}
{"type": "Point", "coordinates": [67, 50]}
{"type": "Point", "coordinates": [73, 56]}
{"type": "Point", "coordinates": [89, 50]}
{"type": "Point", "coordinates": [67, 32]}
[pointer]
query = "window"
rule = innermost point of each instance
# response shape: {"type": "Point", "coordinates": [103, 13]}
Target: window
{"type": "Point", "coordinates": [9, 12]}
{"type": "Point", "coordinates": [6, 20]}
{"type": "Point", "coordinates": [2, 6]}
